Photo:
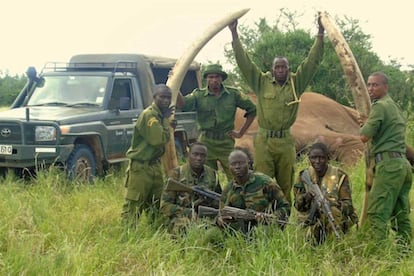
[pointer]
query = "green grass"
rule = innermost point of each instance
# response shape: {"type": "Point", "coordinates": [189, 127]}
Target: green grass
{"type": "Point", "coordinates": [51, 226]}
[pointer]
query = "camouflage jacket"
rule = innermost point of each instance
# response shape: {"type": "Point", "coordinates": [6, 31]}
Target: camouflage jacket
{"type": "Point", "coordinates": [260, 193]}
{"type": "Point", "coordinates": [181, 204]}
{"type": "Point", "coordinates": [337, 189]}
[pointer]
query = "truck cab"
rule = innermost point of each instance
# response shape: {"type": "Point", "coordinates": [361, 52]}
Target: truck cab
{"type": "Point", "coordinates": [81, 114]}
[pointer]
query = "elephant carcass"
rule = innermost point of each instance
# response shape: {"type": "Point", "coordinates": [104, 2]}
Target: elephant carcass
{"type": "Point", "coordinates": [319, 119]}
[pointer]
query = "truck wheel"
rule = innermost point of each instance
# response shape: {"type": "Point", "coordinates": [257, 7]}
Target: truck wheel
{"type": "Point", "coordinates": [81, 164]}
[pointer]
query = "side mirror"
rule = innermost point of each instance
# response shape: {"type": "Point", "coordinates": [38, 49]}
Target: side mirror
{"type": "Point", "coordinates": [40, 82]}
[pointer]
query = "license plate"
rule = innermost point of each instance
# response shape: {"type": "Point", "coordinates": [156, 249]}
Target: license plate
{"type": "Point", "coordinates": [6, 149]}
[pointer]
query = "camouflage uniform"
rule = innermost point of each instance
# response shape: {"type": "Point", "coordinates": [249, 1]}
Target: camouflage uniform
{"type": "Point", "coordinates": [144, 180]}
{"type": "Point", "coordinates": [216, 115]}
{"type": "Point", "coordinates": [389, 196]}
{"type": "Point", "coordinates": [180, 207]}
{"type": "Point", "coordinates": [277, 107]}
{"type": "Point", "coordinates": [337, 189]}
{"type": "Point", "coordinates": [260, 193]}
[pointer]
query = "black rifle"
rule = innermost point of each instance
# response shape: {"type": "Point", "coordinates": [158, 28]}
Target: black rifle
{"type": "Point", "coordinates": [237, 213]}
{"type": "Point", "coordinates": [173, 185]}
{"type": "Point", "coordinates": [319, 202]}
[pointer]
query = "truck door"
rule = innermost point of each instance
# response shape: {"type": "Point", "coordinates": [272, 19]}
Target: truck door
{"type": "Point", "coordinates": [123, 108]}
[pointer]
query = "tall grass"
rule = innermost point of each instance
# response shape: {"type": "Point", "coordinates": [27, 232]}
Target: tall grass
{"type": "Point", "coordinates": [50, 226]}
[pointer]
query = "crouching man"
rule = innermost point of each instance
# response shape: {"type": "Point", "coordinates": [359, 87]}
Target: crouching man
{"type": "Point", "coordinates": [179, 203]}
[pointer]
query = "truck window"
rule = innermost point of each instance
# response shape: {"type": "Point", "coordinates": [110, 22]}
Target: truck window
{"type": "Point", "coordinates": [121, 92]}
{"type": "Point", "coordinates": [69, 90]}
{"type": "Point", "coordinates": [189, 83]}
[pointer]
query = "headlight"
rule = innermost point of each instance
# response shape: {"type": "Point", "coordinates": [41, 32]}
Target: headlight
{"type": "Point", "coordinates": [45, 133]}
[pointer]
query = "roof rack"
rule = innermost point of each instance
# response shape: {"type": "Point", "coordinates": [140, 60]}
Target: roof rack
{"type": "Point", "coordinates": [119, 66]}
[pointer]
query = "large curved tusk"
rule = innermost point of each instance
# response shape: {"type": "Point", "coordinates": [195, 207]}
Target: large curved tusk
{"type": "Point", "coordinates": [359, 91]}
{"type": "Point", "coordinates": [179, 70]}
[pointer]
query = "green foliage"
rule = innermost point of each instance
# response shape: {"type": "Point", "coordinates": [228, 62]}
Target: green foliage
{"type": "Point", "coordinates": [10, 87]}
{"type": "Point", "coordinates": [51, 226]}
{"type": "Point", "coordinates": [284, 38]}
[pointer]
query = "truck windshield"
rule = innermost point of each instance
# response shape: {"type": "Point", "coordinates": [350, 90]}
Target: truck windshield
{"type": "Point", "coordinates": [70, 90]}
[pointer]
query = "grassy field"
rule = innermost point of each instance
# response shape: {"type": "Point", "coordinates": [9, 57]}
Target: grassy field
{"type": "Point", "coordinates": [50, 226]}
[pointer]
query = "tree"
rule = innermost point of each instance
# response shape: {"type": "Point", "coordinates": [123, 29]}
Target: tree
{"type": "Point", "coordinates": [10, 86]}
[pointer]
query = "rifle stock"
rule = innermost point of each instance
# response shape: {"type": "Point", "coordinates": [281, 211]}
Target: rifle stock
{"type": "Point", "coordinates": [173, 185]}
{"type": "Point", "coordinates": [322, 203]}
{"type": "Point", "coordinates": [209, 212]}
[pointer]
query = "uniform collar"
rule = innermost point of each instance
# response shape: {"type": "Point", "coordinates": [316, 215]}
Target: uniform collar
{"type": "Point", "coordinates": [207, 92]}
{"type": "Point", "coordinates": [156, 108]}
{"type": "Point", "coordinates": [251, 179]}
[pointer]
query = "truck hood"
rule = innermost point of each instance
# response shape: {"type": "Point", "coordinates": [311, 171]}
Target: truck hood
{"type": "Point", "coordinates": [51, 113]}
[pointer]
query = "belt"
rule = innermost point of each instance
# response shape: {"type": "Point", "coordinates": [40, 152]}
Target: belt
{"type": "Point", "coordinates": [275, 133]}
{"type": "Point", "coordinates": [215, 135]}
{"type": "Point", "coordinates": [387, 156]}
{"type": "Point", "coordinates": [149, 162]}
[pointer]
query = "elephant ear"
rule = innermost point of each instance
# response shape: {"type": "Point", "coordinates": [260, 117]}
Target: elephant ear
{"type": "Point", "coordinates": [179, 70]}
{"type": "Point", "coordinates": [360, 95]}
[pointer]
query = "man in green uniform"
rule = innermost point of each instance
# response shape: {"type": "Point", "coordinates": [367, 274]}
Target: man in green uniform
{"type": "Point", "coordinates": [216, 107]}
{"type": "Point", "coordinates": [277, 106]}
{"type": "Point", "coordinates": [389, 196]}
{"type": "Point", "coordinates": [180, 206]}
{"type": "Point", "coordinates": [254, 191]}
{"type": "Point", "coordinates": [144, 179]}
{"type": "Point", "coordinates": [335, 186]}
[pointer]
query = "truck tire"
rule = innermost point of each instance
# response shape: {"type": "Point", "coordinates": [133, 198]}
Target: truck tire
{"type": "Point", "coordinates": [81, 164]}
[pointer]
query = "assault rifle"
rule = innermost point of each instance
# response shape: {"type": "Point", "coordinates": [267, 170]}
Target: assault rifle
{"type": "Point", "coordinates": [319, 202]}
{"type": "Point", "coordinates": [173, 185]}
{"type": "Point", "coordinates": [237, 213]}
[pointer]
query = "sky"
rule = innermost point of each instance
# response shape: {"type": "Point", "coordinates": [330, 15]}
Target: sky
{"type": "Point", "coordinates": [36, 32]}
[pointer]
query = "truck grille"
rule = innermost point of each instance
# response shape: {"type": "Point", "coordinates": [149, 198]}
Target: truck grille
{"type": "Point", "coordinates": [10, 133]}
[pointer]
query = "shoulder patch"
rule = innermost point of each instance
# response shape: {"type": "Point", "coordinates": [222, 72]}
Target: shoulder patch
{"type": "Point", "coordinates": [152, 121]}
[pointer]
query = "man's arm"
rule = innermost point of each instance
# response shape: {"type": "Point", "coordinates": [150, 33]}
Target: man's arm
{"type": "Point", "coordinates": [244, 128]}
{"type": "Point", "coordinates": [309, 66]}
{"type": "Point", "coordinates": [249, 70]}
{"type": "Point", "coordinates": [180, 100]}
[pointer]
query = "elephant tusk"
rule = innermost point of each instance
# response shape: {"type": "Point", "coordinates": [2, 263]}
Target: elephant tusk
{"type": "Point", "coordinates": [359, 91]}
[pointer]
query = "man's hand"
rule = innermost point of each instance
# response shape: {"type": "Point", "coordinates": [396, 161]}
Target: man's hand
{"type": "Point", "coordinates": [260, 217]}
{"type": "Point", "coordinates": [223, 221]}
{"type": "Point", "coordinates": [173, 124]}
{"type": "Point", "coordinates": [321, 28]}
{"type": "Point", "coordinates": [234, 134]}
{"type": "Point", "coordinates": [362, 119]}
{"type": "Point", "coordinates": [308, 197]}
{"type": "Point", "coordinates": [166, 112]}
{"type": "Point", "coordinates": [233, 29]}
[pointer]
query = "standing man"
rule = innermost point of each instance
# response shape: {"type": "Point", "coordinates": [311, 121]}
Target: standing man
{"type": "Point", "coordinates": [216, 107]}
{"type": "Point", "coordinates": [389, 196]}
{"type": "Point", "coordinates": [144, 179]}
{"type": "Point", "coordinates": [254, 191]}
{"type": "Point", "coordinates": [277, 103]}
{"type": "Point", "coordinates": [180, 206]}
